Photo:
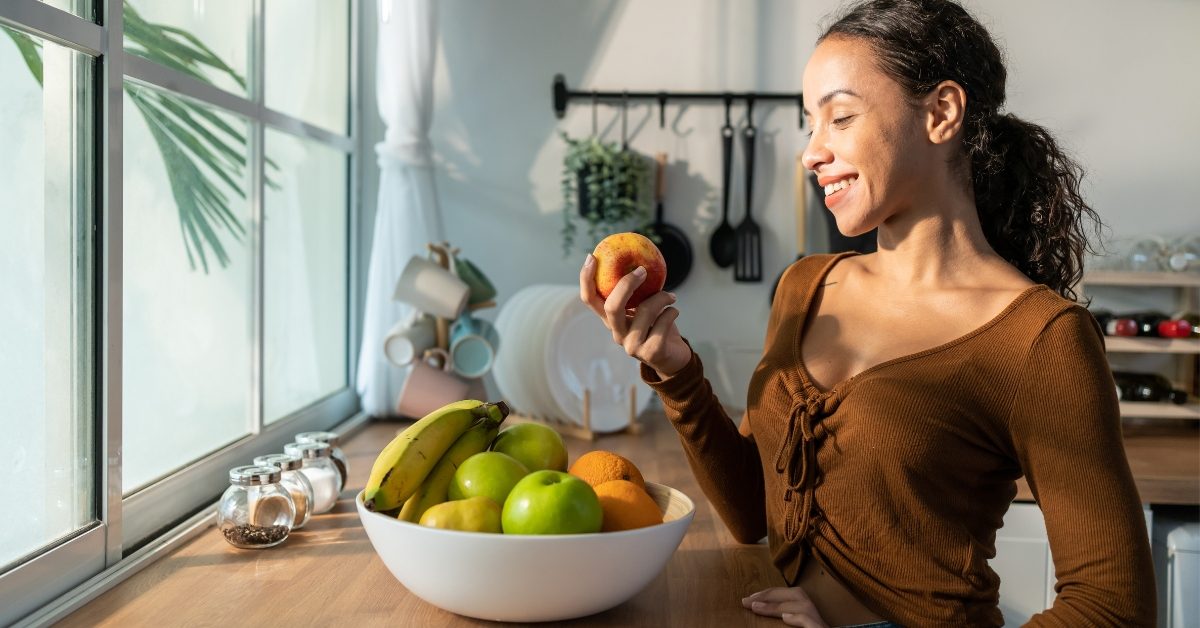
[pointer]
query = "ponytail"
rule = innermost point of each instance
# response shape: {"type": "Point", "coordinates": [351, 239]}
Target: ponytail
{"type": "Point", "coordinates": [1027, 196]}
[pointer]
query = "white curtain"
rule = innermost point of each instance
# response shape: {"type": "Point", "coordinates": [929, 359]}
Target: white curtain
{"type": "Point", "coordinates": [407, 216]}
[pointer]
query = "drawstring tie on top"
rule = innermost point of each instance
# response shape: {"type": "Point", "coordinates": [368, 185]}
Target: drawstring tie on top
{"type": "Point", "coordinates": [795, 459]}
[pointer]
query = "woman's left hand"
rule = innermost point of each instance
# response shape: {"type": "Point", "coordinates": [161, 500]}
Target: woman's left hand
{"type": "Point", "coordinates": [791, 604]}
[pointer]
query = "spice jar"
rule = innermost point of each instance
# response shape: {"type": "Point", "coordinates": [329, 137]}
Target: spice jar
{"type": "Point", "coordinates": [294, 481]}
{"type": "Point", "coordinates": [255, 511]}
{"type": "Point", "coordinates": [321, 472]}
{"type": "Point", "coordinates": [331, 439]}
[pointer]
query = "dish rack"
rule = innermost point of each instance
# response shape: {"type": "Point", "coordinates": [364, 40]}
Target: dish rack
{"type": "Point", "coordinates": [584, 431]}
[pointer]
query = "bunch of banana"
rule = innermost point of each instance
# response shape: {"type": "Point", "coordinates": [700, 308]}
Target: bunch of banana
{"type": "Point", "coordinates": [406, 461]}
{"type": "Point", "coordinates": [433, 490]}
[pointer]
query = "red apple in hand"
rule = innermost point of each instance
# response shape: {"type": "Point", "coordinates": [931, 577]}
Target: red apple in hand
{"type": "Point", "coordinates": [620, 254]}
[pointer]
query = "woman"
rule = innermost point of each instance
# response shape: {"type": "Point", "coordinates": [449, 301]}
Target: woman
{"type": "Point", "coordinates": [902, 393]}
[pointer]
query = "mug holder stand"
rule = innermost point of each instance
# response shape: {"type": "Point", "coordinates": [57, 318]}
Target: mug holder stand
{"type": "Point", "coordinates": [441, 254]}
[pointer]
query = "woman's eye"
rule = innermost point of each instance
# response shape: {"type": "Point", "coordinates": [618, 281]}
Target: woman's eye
{"type": "Point", "coordinates": [841, 121]}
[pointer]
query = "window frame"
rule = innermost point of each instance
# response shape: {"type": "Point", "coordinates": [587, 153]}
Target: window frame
{"type": "Point", "coordinates": [131, 528]}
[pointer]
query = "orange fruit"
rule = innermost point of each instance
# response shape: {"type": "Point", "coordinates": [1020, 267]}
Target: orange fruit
{"type": "Point", "coordinates": [599, 466]}
{"type": "Point", "coordinates": [626, 506]}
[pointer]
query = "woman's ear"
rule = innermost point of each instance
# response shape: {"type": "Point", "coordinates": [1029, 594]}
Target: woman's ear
{"type": "Point", "coordinates": [946, 106]}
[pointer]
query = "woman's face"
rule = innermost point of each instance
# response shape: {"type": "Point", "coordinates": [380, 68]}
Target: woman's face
{"type": "Point", "coordinates": [868, 146]}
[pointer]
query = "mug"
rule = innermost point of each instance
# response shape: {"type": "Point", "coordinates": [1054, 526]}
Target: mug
{"type": "Point", "coordinates": [430, 387]}
{"type": "Point", "coordinates": [473, 346]}
{"type": "Point", "coordinates": [407, 340]}
{"type": "Point", "coordinates": [482, 289]}
{"type": "Point", "coordinates": [432, 289]}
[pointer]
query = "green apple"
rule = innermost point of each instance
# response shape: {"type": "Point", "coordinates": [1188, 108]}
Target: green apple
{"type": "Point", "coordinates": [536, 446]}
{"type": "Point", "coordinates": [551, 502]}
{"type": "Point", "coordinates": [489, 474]}
{"type": "Point", "coordinates": [474, 514]}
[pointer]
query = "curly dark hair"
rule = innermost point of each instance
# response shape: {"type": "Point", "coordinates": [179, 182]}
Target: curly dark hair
{"type": "Point", "coordinates": [1026, 187]}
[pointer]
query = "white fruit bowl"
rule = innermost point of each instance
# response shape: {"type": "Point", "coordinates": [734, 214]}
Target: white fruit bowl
{"type": "Point", "coordinates": [528, 578]}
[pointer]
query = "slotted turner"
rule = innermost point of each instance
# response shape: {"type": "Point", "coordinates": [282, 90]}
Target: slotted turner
{"type": "Point", "coordinates": [748, 265]}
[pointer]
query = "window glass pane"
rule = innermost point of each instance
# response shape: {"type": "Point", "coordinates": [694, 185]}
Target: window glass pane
{"type": "Point", "coordinates": [82, 8]}
{"type": "Point", "coordinates": [187, 375]}
{"type": "Point", "coordinates": [45, 301]}
{"type": "Point", "coordinates": [305, 273]}
{"type": "Point", "coordinates": [206, 39]}
{"type": "Point", "coordinates": [308, 60]}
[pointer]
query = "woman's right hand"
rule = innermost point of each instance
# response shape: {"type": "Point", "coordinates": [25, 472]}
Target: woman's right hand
{"type": "Point", "coordinates": [649, 333]}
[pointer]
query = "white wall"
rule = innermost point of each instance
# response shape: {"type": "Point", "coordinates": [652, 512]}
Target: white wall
{"type": "Point", "coordinates": [1116, 81]}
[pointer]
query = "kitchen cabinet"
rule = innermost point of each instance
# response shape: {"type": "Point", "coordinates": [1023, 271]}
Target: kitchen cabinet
{"type": "Point", "coordinates": [1025, 564]}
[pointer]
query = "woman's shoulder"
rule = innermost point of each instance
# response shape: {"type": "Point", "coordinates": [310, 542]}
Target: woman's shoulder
{"type": "Point", "coordinates": [1051, 320]}
{"type": "Point", "coordinates": [804, 271]}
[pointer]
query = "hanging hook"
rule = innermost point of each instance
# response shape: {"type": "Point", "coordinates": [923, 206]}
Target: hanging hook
{"type": "Point", "coordinates": [728, 104]}
{"type": "Point", "coordinates": [662, 110]}
{"type": "Point", "coordinates": [800, 109]}
{"type": "Point", "coordinates": [624, 118]}
{"type": "Point", "coordinates": [594, 99]}
{"type": "Point", "coordinates": [750, 110]}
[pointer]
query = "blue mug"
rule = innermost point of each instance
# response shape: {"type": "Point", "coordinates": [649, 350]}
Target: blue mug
{"type": "Point", "coordinates": [473, 346]}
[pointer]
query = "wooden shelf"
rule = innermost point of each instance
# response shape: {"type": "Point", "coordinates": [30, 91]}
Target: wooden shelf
{"type": "Point", "coordinates": [1126, 344]}
{"type": "Point", "coordinates": [1157, 410]}
{"type": "Point", "coordinates": [1142, 279]}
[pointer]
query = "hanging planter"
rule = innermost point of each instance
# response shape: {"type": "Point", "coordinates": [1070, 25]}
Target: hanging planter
{"type": "Point", "coordinates": [604, 187]}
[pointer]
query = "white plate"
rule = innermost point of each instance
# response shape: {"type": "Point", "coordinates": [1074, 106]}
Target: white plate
{"type": "Point", "coordinates": [544, 310]}
{"type": "Point", "coordinates": [510, 324]}
{"type": "Point", "coordinates": [581, 353]}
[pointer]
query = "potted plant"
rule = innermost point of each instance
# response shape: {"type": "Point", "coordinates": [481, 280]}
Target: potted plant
{"type": "Point", "coordinates": [603, 185]}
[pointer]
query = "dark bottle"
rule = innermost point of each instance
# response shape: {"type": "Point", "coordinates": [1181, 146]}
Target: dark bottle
{"type": "Point", "coordinates": [1146, 387]}
{"type": "Point", "coordinates": [1113, 325]}
{"type": "Point", "coordinates": [1147, 322]}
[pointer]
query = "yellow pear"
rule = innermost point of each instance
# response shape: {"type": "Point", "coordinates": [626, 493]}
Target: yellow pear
{"type": "Point", "coordinates": [474, 514]}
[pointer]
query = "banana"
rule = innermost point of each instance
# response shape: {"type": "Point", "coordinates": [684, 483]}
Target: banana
{"type": "Point", "coordinates": [433, 490]}
{"type": "Point", "coordinates": [406, 461]}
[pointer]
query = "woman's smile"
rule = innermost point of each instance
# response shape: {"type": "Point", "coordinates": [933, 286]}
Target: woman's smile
{"type": "Point", "coordinates": [838, 190]}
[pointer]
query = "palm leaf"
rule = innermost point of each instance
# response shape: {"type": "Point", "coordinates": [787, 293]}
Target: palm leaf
{"type": "Point", "coordinates": [200, 149]}
{"type": "Point", "coordinates": [30, 50]}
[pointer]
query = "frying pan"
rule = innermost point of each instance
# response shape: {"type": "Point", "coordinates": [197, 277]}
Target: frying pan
{"type": "Point", "coordinates": [676, 249]}
{"type": "Point", "coordinates": [801, 218]}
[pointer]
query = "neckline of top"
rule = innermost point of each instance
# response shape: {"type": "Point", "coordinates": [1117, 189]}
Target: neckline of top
{"type": "Point", "coordinates": [806, 379]}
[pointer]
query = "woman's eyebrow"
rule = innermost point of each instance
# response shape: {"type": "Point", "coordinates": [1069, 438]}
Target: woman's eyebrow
{"type": "Point", "coordinates": [828, 97]}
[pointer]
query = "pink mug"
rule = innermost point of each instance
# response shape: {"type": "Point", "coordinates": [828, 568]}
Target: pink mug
{"type": "Point", "coordinates": [429, 387]}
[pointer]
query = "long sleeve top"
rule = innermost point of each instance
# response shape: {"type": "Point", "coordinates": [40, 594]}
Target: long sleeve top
{"type": "Point", "coordinates": [897, 478]}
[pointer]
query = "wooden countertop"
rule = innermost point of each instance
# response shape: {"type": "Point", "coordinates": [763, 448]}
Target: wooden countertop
{"type": "Point", "coordinates": [1165, 460]}
{"type": "Point", "coordinates": [328, 573]}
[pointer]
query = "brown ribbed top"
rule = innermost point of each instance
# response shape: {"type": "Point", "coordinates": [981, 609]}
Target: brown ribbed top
{"type": "Point", "coordinates": [897, 479]}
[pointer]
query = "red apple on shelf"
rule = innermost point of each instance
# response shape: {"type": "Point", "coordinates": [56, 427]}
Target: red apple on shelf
{"type": "Point", "coordinates": [620, 254]}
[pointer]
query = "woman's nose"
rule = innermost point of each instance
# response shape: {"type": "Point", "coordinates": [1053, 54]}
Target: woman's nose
{"type": "Point", "coordinates": [816, 153]}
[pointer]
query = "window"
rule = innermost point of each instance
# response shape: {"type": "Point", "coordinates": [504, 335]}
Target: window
{"type": "Point", "coordinates": [176, 276]}
{"type": "Point", "coordinates": [45, 306]}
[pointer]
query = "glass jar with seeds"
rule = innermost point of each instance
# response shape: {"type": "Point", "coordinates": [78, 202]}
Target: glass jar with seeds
{"type": "Point", "coordinates": [256, 511]}
{"type": "Point", "coordinates": [331, 439]}
{"type": "Point", "coordinates": [321, 472]}
{"type": "Point", "coordinates": [294, 481]}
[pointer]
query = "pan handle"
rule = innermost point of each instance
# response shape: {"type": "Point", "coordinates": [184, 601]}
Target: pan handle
{"type": "Point", "coordinates": [660, 178]}
{"type": "Point", "coordinates": [801, 184]}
